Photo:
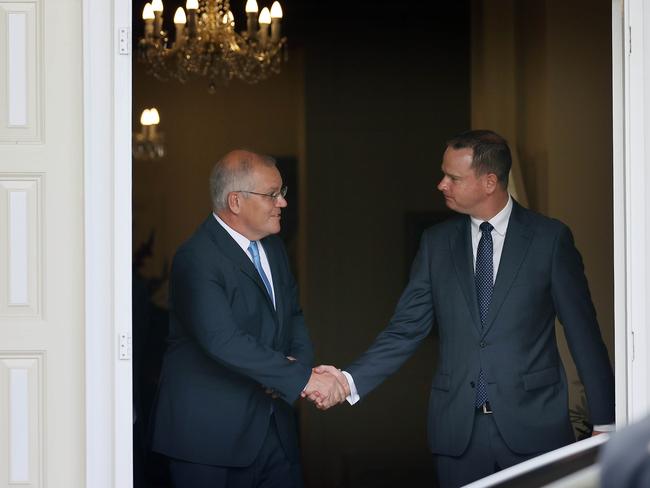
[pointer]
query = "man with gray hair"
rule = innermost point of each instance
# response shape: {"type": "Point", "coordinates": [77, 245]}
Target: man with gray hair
{"type": "Point", "coordinates": [239, 353]}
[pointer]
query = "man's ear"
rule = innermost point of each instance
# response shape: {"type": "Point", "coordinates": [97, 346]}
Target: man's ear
{"type": "Point", "coordinates": [234, 202]}
{"type": "Point", "coordinates": [491, 183]}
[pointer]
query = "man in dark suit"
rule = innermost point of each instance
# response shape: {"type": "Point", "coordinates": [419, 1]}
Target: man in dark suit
{"type": "Point", "coordinates": [239, 353]}
{"type": "Point", "coordinates": [492, 280]}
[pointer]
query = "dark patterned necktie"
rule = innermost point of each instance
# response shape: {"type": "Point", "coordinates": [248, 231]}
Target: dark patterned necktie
{"type": "Point", "coordinates": [484, 278]}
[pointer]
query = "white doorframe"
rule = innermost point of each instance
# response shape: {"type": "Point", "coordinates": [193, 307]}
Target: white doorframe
{"type": "Point", "coordinates": [618, 172]}
{"type": "Point", "coordinates": [631, 136]}
{"type": "Point", "coordinates": [107, 183]}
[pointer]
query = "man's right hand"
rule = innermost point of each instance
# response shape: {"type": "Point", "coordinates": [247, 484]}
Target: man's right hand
{"type": "Point", "coordinates": [327, 387]}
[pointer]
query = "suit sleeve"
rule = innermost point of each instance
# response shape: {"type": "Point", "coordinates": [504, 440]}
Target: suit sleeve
{"type": "Point", "coordinates": [409, 326]}
{"type": "Point", "coordinates": [577, 314]}
{"type": "Point", "coordinates": [201, 304]}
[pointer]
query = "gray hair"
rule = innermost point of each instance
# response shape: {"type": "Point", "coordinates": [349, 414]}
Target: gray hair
{"type": "Point", "coordinates": [233, 172]}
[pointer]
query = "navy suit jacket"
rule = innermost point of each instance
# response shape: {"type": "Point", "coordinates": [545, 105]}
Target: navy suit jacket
{"type": "Point", "coordinates": [540, 277]}
{"type": "Point", "coordinates": [227, 343]}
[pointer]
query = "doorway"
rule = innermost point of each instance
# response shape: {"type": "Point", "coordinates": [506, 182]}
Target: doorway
{"type": "Point", "coordinates": [545, 134]}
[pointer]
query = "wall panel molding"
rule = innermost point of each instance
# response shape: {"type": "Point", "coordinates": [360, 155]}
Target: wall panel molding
{"type": "Point", "coordinates": [21, 450]}
{"type": "Point", "coordinates": [20, 72]}
{"type": "Point", "coordinates": [21, 245]}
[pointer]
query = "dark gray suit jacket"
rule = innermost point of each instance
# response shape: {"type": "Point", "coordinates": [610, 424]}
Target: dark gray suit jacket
{"type": "Point", "coordinates": [226, 344]}
{"type": "Point", "coordinates": [540, 277]}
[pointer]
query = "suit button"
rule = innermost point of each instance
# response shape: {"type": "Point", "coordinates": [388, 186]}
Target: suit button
{"type": "Point", "coordinates": [472, 384]}
{"type": "Point", "coordinates": [482, 344]}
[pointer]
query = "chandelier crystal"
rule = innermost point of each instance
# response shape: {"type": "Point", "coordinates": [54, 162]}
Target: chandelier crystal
{"type": "Point", "coordinates": [207, 44]}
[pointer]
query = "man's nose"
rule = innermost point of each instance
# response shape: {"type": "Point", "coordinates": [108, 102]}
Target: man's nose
{"type": "Point", "coordinates": [443, 184]}
{"type": "Point", "coordinates": [281, 202]}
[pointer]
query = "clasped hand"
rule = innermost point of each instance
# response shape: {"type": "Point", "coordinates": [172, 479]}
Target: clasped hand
{"type": "Point", "coordinates": [327, 387]}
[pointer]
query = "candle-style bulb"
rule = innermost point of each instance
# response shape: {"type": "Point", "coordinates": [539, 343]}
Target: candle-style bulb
{"type": "Point", "coordinates": [157, 5]}
{"type": "Point", "coordinates": [265, 16]}
{"type": "Point", "coordinates": [276, 17]}
{"type": "Point", "coordinates": [179, 16]}
{"type": "Point", "coordinates": [145, 118]}
{"type": "Point", "coordinates": [251, 18]}
{"type": "Point", "coordinates": [276, 10]}
{"type": "Point", "coordinates": [147, 12]}
{"type": "Point", "coordinates": [229, 18]}
{"type": "Point", "coordinates": [155, 116]}
{"type": "Point", "coordinates": [192, 4]}
{"type": "Point", "coordinates": [251, 7]}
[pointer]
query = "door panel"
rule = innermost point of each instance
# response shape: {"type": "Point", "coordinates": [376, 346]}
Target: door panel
{"type": "Point", "coordinates": [41, 245]}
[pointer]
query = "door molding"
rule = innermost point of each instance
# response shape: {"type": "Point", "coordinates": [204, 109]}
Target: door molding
{"type": "Point", "coordinates": [107, 208]}
{"type": "Point", "coordinates": [631, 137]}
{"type": "Point", "coordinates": [618, 180]}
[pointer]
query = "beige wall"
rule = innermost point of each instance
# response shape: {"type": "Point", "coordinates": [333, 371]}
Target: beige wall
{"type": "Point", "coordinates": [542, 76]}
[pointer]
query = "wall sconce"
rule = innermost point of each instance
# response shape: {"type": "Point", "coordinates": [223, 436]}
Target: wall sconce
{"type": "Point", "coordinates": [149, 142]}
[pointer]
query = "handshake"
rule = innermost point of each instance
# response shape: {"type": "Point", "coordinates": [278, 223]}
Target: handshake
{"type": "Point", "coordinates": [327, 387]}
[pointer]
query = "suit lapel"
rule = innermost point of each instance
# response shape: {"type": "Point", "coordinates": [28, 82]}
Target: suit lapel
{"type": "Point", "coordinates": [236, 254]}
{"type": "Point", "coordinates": [518, 239]}
{"type": "Point", "coordinates": [462, 255]}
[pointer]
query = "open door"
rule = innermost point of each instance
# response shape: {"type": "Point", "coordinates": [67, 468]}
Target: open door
{"type": "Point", "coordinates": [65, 407]}
{"type": "Point", "coordinates": [41, 245]}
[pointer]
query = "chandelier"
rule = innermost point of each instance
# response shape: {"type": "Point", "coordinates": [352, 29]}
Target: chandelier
{"type": "Point", "coordinates": [207, 44]}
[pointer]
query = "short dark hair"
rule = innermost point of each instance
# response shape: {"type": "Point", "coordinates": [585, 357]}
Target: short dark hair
{"type": "Point", "coordinates": [491, 153]}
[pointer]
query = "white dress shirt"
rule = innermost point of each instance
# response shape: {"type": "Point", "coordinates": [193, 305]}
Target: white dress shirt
{"type": "Point", "coordinates": [244, 242]}
{"type": "Point", "coordinates": [500, 224]}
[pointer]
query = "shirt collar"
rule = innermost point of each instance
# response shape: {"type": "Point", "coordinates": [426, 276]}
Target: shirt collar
{"type": "Point", "coordinates": [499, 221]}
{"type": "Point", "coordinates": [243, 242]}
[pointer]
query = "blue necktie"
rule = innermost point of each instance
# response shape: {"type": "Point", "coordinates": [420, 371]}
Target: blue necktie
{"type": "Point", "coordinates": [252, 248]}
{"type": "Point", "coordinates": [484, 283]}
